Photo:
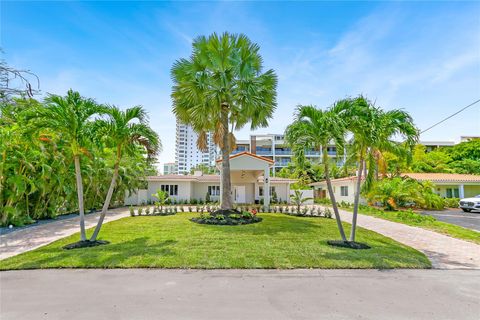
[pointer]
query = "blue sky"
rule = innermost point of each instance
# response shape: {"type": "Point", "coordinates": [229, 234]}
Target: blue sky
{"type": "Point", "coordinates": [423, 57]}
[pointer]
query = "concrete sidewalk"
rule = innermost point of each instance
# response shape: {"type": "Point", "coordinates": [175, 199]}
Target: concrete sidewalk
{"type": "Point", "coordinates": [240, 294]}
{"type": "Point", "coordinates": [443, 251]}
{"type": "Point", "coordinates": [28, 239]}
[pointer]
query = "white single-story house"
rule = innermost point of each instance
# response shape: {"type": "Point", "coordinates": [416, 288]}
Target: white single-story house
{"type": "Point", "coordinates": [250, 178]}
{"type": "Point", "coordinates": [447, 185]}
{"type": "Point", "coordinates": [343, 188]}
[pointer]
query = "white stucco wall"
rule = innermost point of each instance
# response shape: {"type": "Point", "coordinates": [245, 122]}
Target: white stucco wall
{"type": "Point", "coordinates": [136, 198]}
{"type": "Point", "coordinates": [337, 190]}
{"type": "Point", "coordinates": [248, 163]}
{"type": "Point", "coordinates": [200, 189]}
{"type": "Point", "coordinates": [470, 190]}
{"type": "Point", "coordinates": [184, 189]}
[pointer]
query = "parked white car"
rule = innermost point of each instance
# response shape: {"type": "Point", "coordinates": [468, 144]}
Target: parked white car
{"type": "Point", "coordinates": [469, 204]}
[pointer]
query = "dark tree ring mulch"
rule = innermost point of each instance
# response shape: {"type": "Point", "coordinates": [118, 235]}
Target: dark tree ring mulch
{"type": "Point", "coordinates": [348, 244]}
{"type": "Point", "coordinates": [85, 244]}
{"type": "Point", "coordinates": [226, 222]}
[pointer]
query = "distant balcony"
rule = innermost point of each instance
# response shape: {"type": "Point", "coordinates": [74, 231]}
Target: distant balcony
{"type": "Point", "coordinates": [283, 152]}
{"type": "Point", "coordinates": [264, 152]}
{"type": "Point", "coordinates": [312, 153]}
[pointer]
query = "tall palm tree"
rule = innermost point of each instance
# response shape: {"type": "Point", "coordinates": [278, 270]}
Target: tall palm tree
{"type": "Point", "coordinates": [373, 132]}
{"type": "Point", "coordinates": [315, 128]}
{"type": "Point", "coordinates": [220, 89]}
{"type": "Point", "coordinates": [70, 118]}
{"type": "Point", "coordinates": [125, 131]}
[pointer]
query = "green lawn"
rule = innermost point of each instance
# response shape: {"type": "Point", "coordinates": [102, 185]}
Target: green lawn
{"type": "Point", "coordinates": [279, 241]}
{"type": "Point", "coordinates": [437, 226]}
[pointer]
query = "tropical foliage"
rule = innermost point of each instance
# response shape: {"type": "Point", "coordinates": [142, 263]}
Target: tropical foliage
{"type": "Point", "coordinates": [461, 158]}
{"type": "Point", "coordinates": [298, 199]}
{"type": "Point", "coordinates": [205, 169]}
{"type": "Point", "coordinates": [404, 192]}
{"type": "Point", "coordinates": [37, 161]}
{"type": "Point", "coordinates": [220, 89]}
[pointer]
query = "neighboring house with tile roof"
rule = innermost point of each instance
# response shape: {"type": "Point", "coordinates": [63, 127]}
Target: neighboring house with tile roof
{"type": "Point", "coordinates": [250, 176]}
{"type": "Point", "coordinates": [447, 185]}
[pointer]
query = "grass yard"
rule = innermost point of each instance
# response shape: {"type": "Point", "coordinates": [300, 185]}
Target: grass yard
{"type": "Point", "coordinates": [279, 241]}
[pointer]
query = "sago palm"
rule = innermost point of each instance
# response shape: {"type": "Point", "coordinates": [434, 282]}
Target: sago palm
{"type": "Point", "coordinates": [298, 199]}
{"type": "Point", "coordinates": [220, 89]}
{"type": "Point", "coordinates": [315, 128]}
{"type": "Point", "coordinates": [124, 131]}
{"type": "Point", "coordinates": [69, 117]}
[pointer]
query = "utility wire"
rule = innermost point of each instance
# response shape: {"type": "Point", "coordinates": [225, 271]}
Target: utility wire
{"type": "Point", "coordinates": [436, 124]}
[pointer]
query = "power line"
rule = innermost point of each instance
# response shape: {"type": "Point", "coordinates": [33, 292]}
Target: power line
{"type": "Point", "coordinates": [436, 124]}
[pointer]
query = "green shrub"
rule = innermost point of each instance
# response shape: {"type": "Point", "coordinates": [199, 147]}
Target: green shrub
{"type": "Point", "coordinates": [327, 213]}
{"type": "Point", "coordinates": [323, 201]}
{"type": "Point", "coordinates": [404, 192]}
{"type": "Point", "coordinates": [411, 216]}
{"type": "Point", "coordinates": [247, 215]}
{"type": "Point", "coordinates": [132, 211]}
{"type": "Point", "coordinates": [451, 202]}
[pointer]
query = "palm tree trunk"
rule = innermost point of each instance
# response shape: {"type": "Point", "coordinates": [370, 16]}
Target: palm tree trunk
{"type": "Point", "coordinates": [332, 196]}
{"type": "Point", "coordinates": [357, 198]}
{"type": "Point", "coordinates": [78, 175]}
{"type": "Point", "coordinates": [106, 204]}
{"type": "Point", "coordinates": [226, 203]}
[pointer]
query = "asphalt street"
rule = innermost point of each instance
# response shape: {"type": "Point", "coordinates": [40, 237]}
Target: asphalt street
{"type": "Point", "coordinates": [240, 294]}
{"type": "Point", "coordinates": [469, 220]}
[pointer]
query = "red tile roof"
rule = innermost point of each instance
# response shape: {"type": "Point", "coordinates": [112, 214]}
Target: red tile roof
{"type": "Point", "coordinates": [434, 177]}
{"type": "Point", "coordinates": [443, 177]}
{"type": "Point", "coordinates": [246, 153]}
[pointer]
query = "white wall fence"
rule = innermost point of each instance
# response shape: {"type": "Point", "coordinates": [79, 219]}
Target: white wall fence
{"type": "Point", "coordinates": [308, 193]}
{"type": "Point", "coordinates": [136, 198]}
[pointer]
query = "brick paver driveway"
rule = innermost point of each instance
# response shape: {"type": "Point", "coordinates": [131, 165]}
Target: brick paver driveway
{"type": "Point", "coordinates": [28, 239]}
{"type": "Point", "coordinates": [443, 251]}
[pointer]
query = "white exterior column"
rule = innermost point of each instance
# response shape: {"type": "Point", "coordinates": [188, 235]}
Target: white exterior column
{"type": "Point", "coordinates": [266, 188]}
{"type": "Point", "coordinates": [288, 193]}
{"type": "Point", "coordinates": [461, 191]}
{"type": "Point", "coordinates": [274, 157]}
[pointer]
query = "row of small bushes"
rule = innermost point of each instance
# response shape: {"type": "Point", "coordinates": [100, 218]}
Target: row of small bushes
{"type": "Point", "coordinates": [159, 210]}
{"type": "Point", "coordinates": [393, 204]}
{"type": "Point", "coordinates": [309, 212]}
{"type": "Point", "coordinates": [404, 215]}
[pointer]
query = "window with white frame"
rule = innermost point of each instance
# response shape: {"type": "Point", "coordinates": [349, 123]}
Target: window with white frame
{"type": "Point", "coordinates": [453, 193]}
{"type": "Point", "coordinates": [214, 190]}
{"type": "Point", "coordinates": [170, 189]}
{"type": "Point", "coordinates": [344, 191]}
{"type": "Point", "coordinates": [260, 191]}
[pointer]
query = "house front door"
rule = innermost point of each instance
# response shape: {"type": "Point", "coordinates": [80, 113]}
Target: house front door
{"type": "Point", "coordinates": [239, 194]}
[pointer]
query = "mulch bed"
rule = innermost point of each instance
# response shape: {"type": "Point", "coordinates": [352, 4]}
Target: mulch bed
{"type": "Point", "coordinates": [348, 244]}
{"type": "Point", "coordinates": [85, 244]}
